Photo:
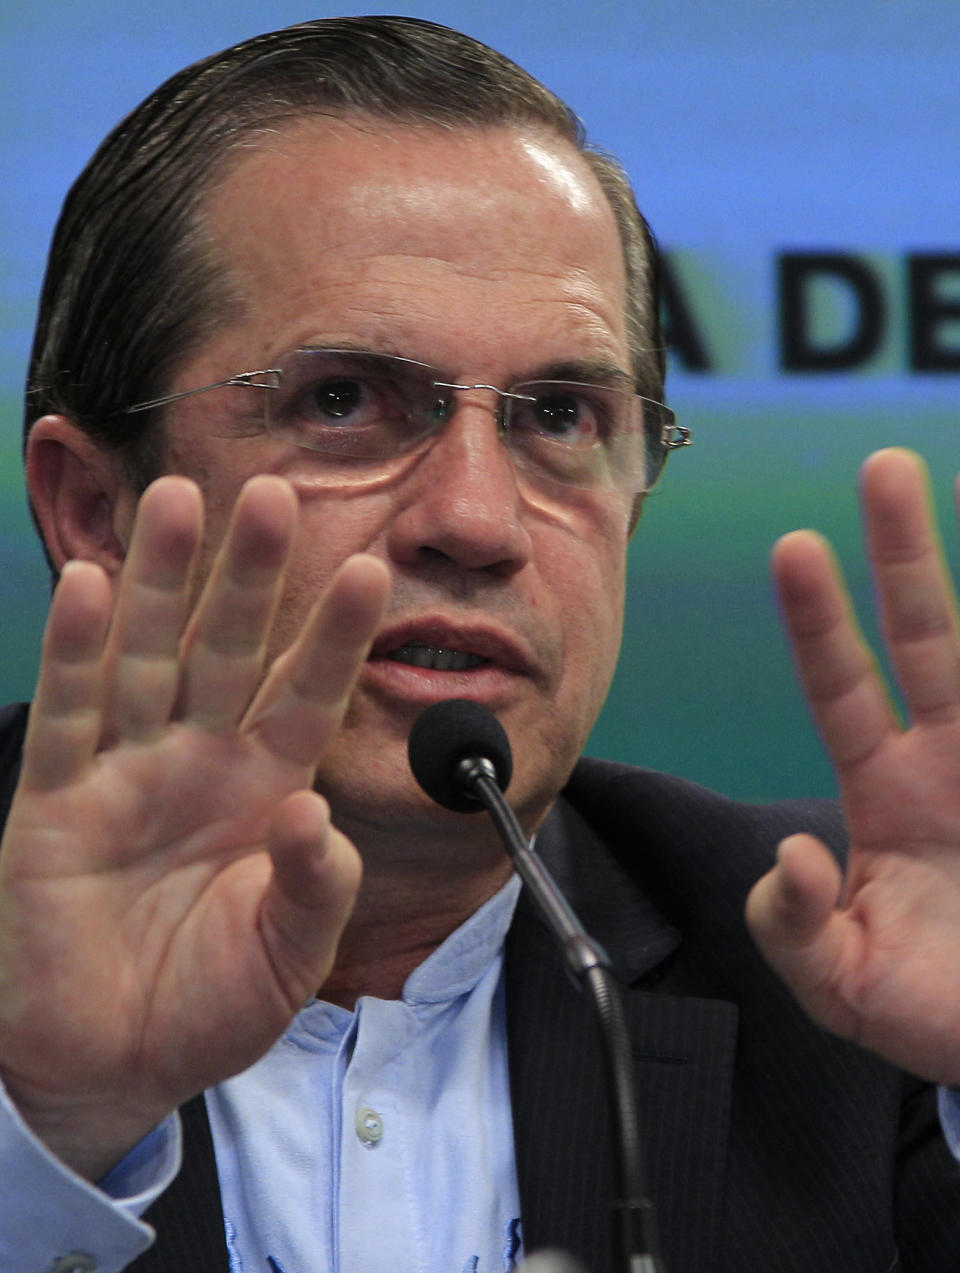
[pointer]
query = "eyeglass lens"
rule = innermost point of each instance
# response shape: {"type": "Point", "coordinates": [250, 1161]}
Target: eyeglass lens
{"type": "Point", "coordinates": [360, 407]}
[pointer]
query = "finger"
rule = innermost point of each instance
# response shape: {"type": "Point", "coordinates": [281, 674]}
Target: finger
{"type": "Point", "coordinates": [792, 914]}
{"type": "Point", "coordinates": [225, 643]}
{"type": "Point", "coordinates": [306, 694]}
{"type": "Point", "coordinates": [316, 875]}
{"type": "Point", "coordinates": [153, 595]}
{"type": "Point", "coordinates": [67, 712]}
{"type": "Point", "coordinates": [838, 672]}
{"type": "Point", "coordinates": [916, 597]}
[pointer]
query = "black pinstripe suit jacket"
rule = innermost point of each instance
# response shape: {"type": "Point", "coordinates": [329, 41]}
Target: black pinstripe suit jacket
{"type": "Point", "coordinates": [771, 1146]}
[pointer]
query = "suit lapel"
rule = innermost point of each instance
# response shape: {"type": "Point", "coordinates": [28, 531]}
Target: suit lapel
{"type": "Point", "coordinates": [683, 1051]}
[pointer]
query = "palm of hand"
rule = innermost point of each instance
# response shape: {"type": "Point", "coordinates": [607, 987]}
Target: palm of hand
{"type": "Point", "coordinates": [170, 888]}
{"type": "Point", "coordinates": [874, 957]}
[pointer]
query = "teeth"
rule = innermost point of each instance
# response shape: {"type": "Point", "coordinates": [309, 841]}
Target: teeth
{"type": "Point", "coordinates": [436, 658]}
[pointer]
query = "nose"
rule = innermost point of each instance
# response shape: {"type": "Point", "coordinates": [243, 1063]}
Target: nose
{"type": "Point", "coordinates": [461, 502]}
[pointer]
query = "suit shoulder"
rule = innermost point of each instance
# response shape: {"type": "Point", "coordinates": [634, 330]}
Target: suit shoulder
{"type": "Point", "coordinates": [682, 839]}
{"type": "Point", "coordinates": [632, 798]}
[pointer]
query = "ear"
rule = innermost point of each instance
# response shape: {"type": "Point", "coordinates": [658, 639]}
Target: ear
{"type": "Point", "coordinates": [83, 501]}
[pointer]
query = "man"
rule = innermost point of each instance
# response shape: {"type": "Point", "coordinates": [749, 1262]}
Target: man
{"type": "Point", "coordinates": [359, 298]}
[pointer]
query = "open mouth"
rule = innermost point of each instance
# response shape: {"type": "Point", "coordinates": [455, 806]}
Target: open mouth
{"type": "Point", "coordinates": [436, 658]}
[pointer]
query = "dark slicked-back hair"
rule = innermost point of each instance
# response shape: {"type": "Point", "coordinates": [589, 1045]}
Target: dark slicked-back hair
{"type": "Point", "coordinates": [134, 283]}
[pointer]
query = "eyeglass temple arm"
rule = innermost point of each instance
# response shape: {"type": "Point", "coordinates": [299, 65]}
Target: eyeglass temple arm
{"type": "Point", "coordinates": [245, 380]}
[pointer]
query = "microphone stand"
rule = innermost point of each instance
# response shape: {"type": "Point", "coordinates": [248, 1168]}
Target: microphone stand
{"type": "Point", "coordinates": [636, 1244]}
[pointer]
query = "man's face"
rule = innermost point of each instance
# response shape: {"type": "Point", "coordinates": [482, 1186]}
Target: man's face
{"type": "Point", "coordinates": [493, 256]}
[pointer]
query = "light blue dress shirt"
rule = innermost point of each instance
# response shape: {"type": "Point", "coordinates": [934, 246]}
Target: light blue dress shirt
{"type": "Point", "coordinates": [381, 1138]}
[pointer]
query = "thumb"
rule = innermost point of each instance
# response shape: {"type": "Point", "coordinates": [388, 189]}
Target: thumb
{"type": "Point", "coordinates": [793, 916]}
{"type": "Point", "coordinates": [316, 876]}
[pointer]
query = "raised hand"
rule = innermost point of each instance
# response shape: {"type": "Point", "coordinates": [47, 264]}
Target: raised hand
{"type": "Point", "coordinates": [875, 956]}
{"type": "Point", "coordinates": [171, 890]}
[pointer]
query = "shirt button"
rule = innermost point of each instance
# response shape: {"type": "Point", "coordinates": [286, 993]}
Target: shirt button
{"type": "Point", "coordinates": [75, 1262]}
{"type": "Point", "coordinates": [369, 1125]}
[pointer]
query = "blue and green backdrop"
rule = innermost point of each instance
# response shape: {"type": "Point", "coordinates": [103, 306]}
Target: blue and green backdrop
{"type": "Point", "coordinates": [799, 164]}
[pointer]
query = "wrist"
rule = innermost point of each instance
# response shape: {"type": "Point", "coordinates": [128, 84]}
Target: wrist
{"type": "Point", "coordinates": [89, 1136]}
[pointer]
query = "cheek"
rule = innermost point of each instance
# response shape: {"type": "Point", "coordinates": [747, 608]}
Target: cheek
{"type": "Point", "coordinates": [583, 579]}
{"type": "Point", "coordinates": [331, 530]}
{"type": "Point", "coordinates": [587, 584]}
{"type": "Point", "coordinates": [596, 628]}
{"type": "Point", "coordinates": [589, 571]}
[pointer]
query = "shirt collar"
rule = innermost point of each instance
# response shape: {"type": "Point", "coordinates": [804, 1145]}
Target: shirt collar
{"type": "Point", "coordinates": [459, 962]}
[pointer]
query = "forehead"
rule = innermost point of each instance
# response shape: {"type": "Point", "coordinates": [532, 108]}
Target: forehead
{"type": "Point", "coordinates": [357, 224]}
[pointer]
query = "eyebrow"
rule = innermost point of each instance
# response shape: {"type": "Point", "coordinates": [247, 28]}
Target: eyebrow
{"type": "Point", "coordinates": [590, 371]}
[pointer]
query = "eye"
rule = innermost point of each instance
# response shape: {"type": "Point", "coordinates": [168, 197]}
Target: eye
{"type": "Point", "coordinates": [561, 414]}
{"type": "Point", "coordinates": [564, 413]}
{"type": "Point", "coordinates": [357, 405]}
{"type": "Point", "coordinates": [348, 400]}
{"type": "Point", "coordinates": [347, 411]}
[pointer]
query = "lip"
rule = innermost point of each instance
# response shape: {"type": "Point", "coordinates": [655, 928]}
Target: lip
{"type": "Point", "coordinates": [507, 661]}
{"type": "Point", "coordinates": [484, 641]}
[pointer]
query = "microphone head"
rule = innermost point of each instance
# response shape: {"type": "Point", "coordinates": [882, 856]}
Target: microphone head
{"type": "Point", "coordinates": [447, 733]}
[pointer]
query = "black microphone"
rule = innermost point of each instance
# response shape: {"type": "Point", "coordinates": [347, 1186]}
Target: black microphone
{"type": "Point", "coordinates": [449, 733]}
{"type": "Point", "coordinates": [460, 755]}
